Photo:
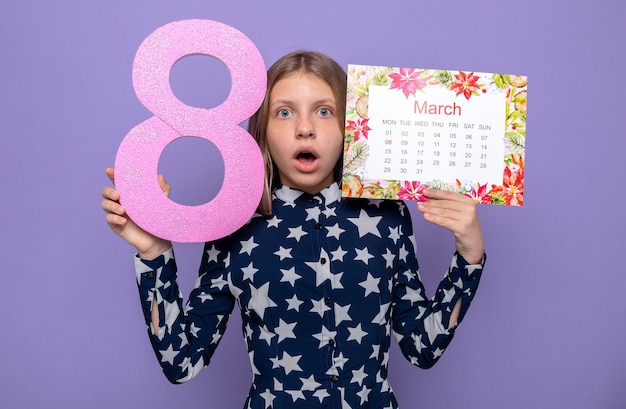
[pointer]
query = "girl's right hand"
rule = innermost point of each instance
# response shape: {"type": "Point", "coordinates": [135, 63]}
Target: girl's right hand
{"type": "Point", "coordinates": [148, 246]}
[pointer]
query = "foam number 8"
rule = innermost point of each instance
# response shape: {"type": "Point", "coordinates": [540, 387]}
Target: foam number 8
{"type": "Point", "coordinates": [136, 163]}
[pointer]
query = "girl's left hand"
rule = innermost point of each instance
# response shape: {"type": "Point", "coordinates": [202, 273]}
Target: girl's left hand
{"type": "Point", "coordinates": [457, 213]}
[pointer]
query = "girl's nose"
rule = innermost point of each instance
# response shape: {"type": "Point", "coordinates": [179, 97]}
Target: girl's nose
{"type": "Point", "coordinates": [305, 128]}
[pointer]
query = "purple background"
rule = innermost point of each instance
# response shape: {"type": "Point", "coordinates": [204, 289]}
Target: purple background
{"type": "Point", "coordinates": [547, 327]}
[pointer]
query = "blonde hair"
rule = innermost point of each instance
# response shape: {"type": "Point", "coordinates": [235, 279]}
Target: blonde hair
{"type": "Point", "coordinates": [311, 62]}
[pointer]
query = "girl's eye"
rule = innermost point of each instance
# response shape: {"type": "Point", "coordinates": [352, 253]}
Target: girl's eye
{"type": "Point", "coordinates": [283, 113]}
{"type": "Point", "coordinates": [325, 112]}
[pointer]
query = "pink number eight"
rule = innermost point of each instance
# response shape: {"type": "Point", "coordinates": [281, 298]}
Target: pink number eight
{"type": "Point", "coordinates": [138, 155]}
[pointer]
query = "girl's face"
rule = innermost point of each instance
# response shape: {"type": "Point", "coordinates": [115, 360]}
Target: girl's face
{"type": "Point", "coordinates": [303, 132]}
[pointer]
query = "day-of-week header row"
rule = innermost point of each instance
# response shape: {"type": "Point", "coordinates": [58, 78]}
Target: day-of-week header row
{"type": "Point", "coordinates": [435, 124]}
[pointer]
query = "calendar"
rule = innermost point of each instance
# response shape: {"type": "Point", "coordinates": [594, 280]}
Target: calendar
{"type": "Point", "coordinates": [408, 129]}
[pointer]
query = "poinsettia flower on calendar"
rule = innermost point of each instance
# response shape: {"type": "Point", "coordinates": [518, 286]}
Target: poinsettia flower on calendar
{"type": "Point", "coordinates": [466, 84]}
{"type": "Point", "coordinates": [358, 128]}
{"type": "Point", "coordinates": [412, 190]}
{"type": "Point", "coordinates": [408, 80]}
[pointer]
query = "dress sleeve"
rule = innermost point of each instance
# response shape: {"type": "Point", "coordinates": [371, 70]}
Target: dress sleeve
{"type": "Point", "coordinates": [187, 336]}
{"type": "Point", "coordinates": [420, 324]}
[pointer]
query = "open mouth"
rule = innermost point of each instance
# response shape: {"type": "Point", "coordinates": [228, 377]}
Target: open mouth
{"type": "Point", "coordinates": [306, 157]}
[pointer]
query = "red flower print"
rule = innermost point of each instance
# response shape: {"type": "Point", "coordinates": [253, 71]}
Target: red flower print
{"type": "Point", "coordinates": [512, 187]}
{"type": "Point", "coordinates": [479, 194]}
{"type": "Point", "coordinates": [412, 191]}
{"type": "Point", "coordinates": [465, 84]}
{"type": "Point", "coordinates": [359, 128]}
{"type": "Point", "coordinates": [408, 80]}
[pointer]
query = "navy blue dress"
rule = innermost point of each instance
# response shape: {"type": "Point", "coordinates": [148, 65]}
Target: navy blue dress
{"type": "Point", "coordinates": [321, 286]}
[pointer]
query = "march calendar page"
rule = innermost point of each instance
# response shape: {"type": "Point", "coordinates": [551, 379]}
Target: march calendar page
{"type": "Point", "coordinates": [409, 128]}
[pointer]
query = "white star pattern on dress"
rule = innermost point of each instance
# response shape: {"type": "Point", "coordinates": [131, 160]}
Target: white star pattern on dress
{"type": "Point", "coordinates": [448, 295]}
{"type": "Point", "coordinates": [309, 384]}
{"type": "Point", "coordinates": [419, 345]}
{"type": "Point", "coordinates": [394, 233]}
{"type": "Point", "coordinates": [435, 327]}
{"type": "Point", "coordinates": [269, 398]}
{"type": "Point", "coordinates": [363, 255]}
{"type": "Point", "coordinates": [321, 394]}
{"type": "Point", "coordinates": [194, 330]}
{"type": "Point", "coordinates": [366, 224]}
{"type": "Point", "coordinates": [380, 318]}
{"type": "Point", "coordinates": [295, 395]}
{"type": "Point", "coordinates": [370, 284]}
{"type": "Point", "coordinates": [356, 334]}
{"type": "Point", "coordinates": [403, 253]}
{"type": "Point", "coordinates": [313, 214]}
{"type": "Point", "coordinates": [266, 335]}
{"type": "Point", "coordinates": [339, 361]}
{"type": "Point", "coordinates": [364, 394]}
{"type": "Point", "coordinates": [289, 276]}
{"type": "Point", "coordinates": [358, 375]}
{"type": "Point", "coordinates": [375, 351]}
{"type": "Point", "coordinates": [212, 254]}
{"type": "Point", "coordinates": [204, 297]}
{"type": "Point", "coordinates": [273, 222]}
{"type": "Point", "coordinates": [389, 257]}
{"type": "Point", "coordinates": [294, 303]}
{"type": "Point", "coordinates": [171, 313]}
{"type": "Point", "coordinates": [321, 268]}
{"type": "Point", "coordinates": [283, 253]}
{"type": "Point", "coordinates": [320, 307]}
{"type": "Point", "coordinates": [296, 233]}
{"type": "Point", "coordinates": [338, 254]}
{"type": "Point", "coordinates": [413, 295]}
{"type": "Point", "coordinates": [248, 272]}
{"type": "Point", "coordinates": [324, 336]}
{"type": "Point", "coordinates": [336, 281]}
{"type": "Point", "coordinates": [219, 282]}
{"type": "Point", "coordinates": [284, 330]}
{"type": "Point", "coordinates": [341, 313]}
{"type": "Point", "coordinates": [168, 355]}
{"type": "Point", "coordinates": [334, 231]}
{"type": "Point", "coordinates": [247, 246]}
{"type": "Point", "coordinates": [259, 299]}
{"type": "Point", "coordinates": [290, 363]}
{"type": "Point", "coordinates": [329, 212]}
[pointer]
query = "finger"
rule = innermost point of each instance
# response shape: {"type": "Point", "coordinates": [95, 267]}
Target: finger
{"type": "Point", "coordinates": [444, 195]}
{"type": "Point", "coordinates": [110, 173]}
{"type": "Point", "coordinates": [112, 207]}
{"type": "Point", "coordinates": [110, 193]}
{"type": "Point", "coordinates": [444, 207]}
{"type": "Point", "coordinates": [165, 187]}
{"type": "Point", "coordinates": [453, 212]}
{"type": "Point", "coordinates": [116, 221]}
{"type": "Point", "coordinates": [443, 219]}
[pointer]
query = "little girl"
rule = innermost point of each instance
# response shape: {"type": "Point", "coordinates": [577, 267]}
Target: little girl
{"type": "Point", "coordinates": [321, 281]}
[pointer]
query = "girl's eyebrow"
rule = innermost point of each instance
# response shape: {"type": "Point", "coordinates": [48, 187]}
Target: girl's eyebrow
{"type": "Point", "coordinates": [323, 101]}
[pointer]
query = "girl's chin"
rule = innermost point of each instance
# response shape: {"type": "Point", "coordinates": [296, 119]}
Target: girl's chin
{"type": "Point", "coordinates": [312, 184]}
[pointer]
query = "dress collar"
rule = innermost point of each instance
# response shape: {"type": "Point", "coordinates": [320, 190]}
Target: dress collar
{"type": "Point", "coordinates": [326, 197]}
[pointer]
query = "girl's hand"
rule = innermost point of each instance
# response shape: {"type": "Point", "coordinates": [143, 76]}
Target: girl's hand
{"type": "Point", "coordinates": [148, 246]}
{"type": "Point", "coordinates": [458, 214]}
